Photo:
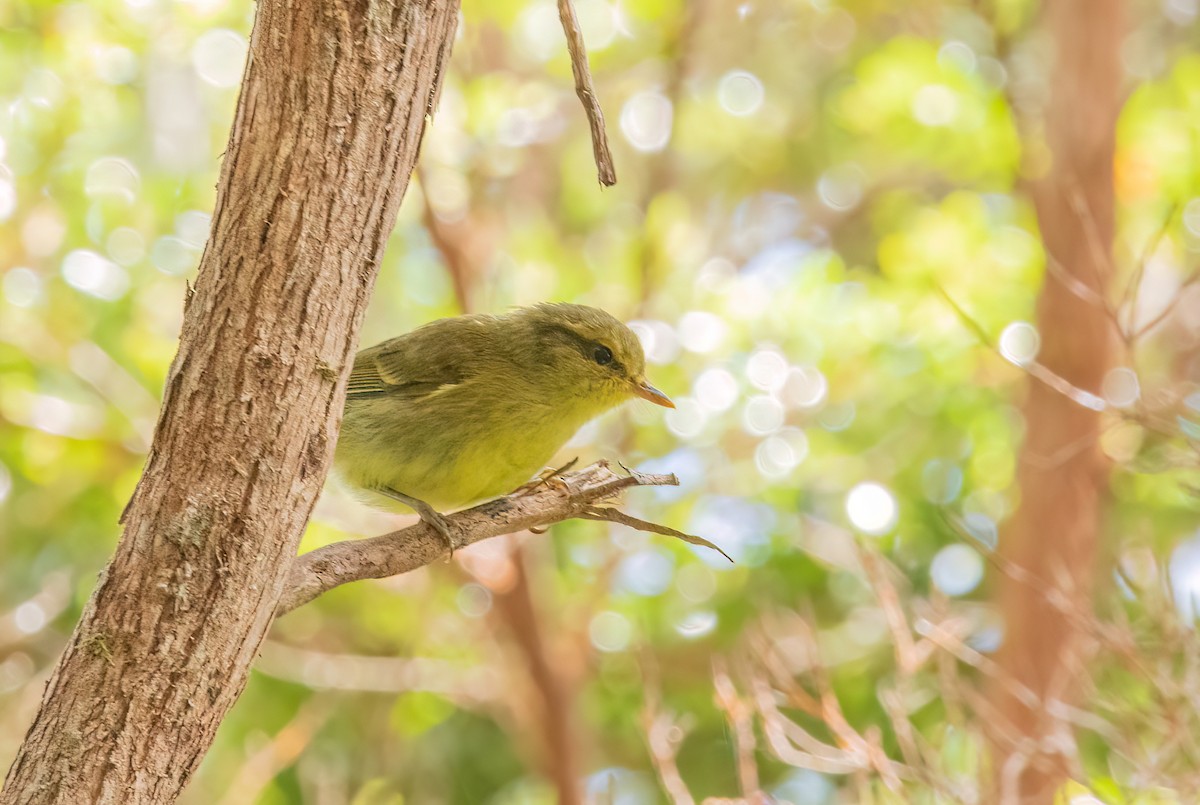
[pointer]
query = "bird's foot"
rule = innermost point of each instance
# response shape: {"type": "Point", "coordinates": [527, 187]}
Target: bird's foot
{"type": "Point", "coordinates": [549, 477]}
{"type": "Point", "coordinates": [438, 523]}
{"type": "Point", "coordinates": [429, 515]}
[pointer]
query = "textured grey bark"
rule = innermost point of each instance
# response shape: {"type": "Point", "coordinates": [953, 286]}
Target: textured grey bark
{"type": "Point", "coordinates": [328, 124]}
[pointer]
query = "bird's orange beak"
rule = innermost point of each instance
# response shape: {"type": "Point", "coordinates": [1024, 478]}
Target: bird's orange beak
{"type": "Point", "coordinates": [647, 392]}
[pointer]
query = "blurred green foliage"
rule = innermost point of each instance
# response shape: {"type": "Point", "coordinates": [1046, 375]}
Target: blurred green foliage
{"type": "Point", "coordinates": [797, 181]}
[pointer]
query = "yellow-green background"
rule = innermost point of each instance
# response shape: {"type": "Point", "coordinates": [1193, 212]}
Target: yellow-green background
{"type": "Point", "coordinates": [796, 181]}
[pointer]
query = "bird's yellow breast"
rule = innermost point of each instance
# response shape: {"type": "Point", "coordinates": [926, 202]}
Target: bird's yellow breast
{"type": "Point", "coordinates": [455, 447]}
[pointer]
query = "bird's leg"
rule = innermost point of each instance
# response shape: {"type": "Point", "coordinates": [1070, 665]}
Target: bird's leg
{"type": "Point", "coordinates": [547, 477]}
{"type": "Point", "coordinates": [426, 512]}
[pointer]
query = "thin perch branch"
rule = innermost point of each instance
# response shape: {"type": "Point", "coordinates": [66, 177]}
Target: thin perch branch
{"type": "Point", "coordinates": [418, 545]}
{"type": "Point", "coordinates": [586, 90]}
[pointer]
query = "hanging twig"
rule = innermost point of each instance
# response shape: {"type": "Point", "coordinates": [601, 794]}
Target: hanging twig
{"type": "Point", "coordinates": [586, 91]}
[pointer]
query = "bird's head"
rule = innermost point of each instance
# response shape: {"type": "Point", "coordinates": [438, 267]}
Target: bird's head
{"type": "Point", "coordinates": [584, 353]}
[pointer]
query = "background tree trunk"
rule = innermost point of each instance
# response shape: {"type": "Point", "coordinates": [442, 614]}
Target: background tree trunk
{"type": "Point", "coordinates": [1062, 474]}
{"type": "Point", "coordinates": [331, 113]}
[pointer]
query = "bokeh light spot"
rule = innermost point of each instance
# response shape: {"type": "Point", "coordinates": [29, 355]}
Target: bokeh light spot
{"type": "Point", "coordinates": [658, 338]}
{"type": "Point", "coordinates": [1020, 343]}
{"type": "Point", "coordinates": [805, 787]}
{"type": "Point", "coordinates": [982, 528]}
{"type": "Point", "coordinates": [192, 227]}
{"type": "Point", "coordinates": [1014, 247]}
{"type": "Point", "coordinates": [696, 582]}
{"type": "Point", "coordinates": [112, 177]}
{"type": "Point", "coordinates": [1184, 573]}
{"type": "Point", "coordinates": [837, 417]}
{"type": "Point", "coordinates": [805, 387]}
{"type": "Point", "coordinates": [219, 56]}
{"type": "Point", "coordinates": [956, 569]}
{"type": "Point", "coordinates": [610, 631]}
{"type": "Point", "coordinates": [740, 93]}
{"type": "Point", "coordinates": [1191, 216]}
{"type": "Point", "coordinates": [1123, 441]}
{"type": "Point", "coordinates": [767, 369]}
{"type": "Point", "coordinates": [93, 274]}
{"type": "Point", "coordinates": [835, 29]}
{"type": "Point", "coordinates": [125, 246]}
{"type": "Point", "coordinates": [646, 120]}
{"type": "Point", "coordinates": [871, 508]}
{"type": "Point", "coordinates": [1120, 387]}
{"type": "Point", "coordinates": [171, 255]}
{"type": "Point", "coordinates": [959, 55]}
{"type": "Point", "coordinates": [8, 198]}
{"type": "Point", "coordinates": [841, 187]}
{"type": "Point", "coordinates": [42, 231]}
{"type": "Point", "coordinates": [935, 105]}
{"type": "Point", "coordinates": [716, 389]}
{"type": "Point", "coordinates": [702, 332]}
{"type": "Point", "coordinates": [43, 88]}
{"type": "Point", "coordinates": [762, 415]}
{"type": "Point", "coordinates": [448, 192]}
{"type": "Point", "coordinates": [22, 287]}
{"type": "Point", "coordinates": [778, 455]}
{"type": "Point", "coordinates": [474, 600]}
{"type": "Point", "coordinates": [537, 29]}
{"type": "Point", "coordinates": [598, 21]}
{"type": "Point", "coordinates": [697, 624]}
{"type": "Point", "coordinates": [116, 65]}
{"type": "Point", "coordinates": [687, 419]}
{"type": "Point", "coordinates": [742, 528]}
{"type": "Point", "coordinates": [29, 618]}
{"type": "Point", "coordinates": [941, 481]}
{"type": "Point", "coordinates": [647, 572]}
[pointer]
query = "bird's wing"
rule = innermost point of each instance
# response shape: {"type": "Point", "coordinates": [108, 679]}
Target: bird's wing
{"type": "Point", "coordinates": [415, 364]}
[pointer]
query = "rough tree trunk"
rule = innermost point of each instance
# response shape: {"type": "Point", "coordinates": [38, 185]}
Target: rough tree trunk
{"type": "Point", "coordinates": [331, 113]}
{"type": "Point", "coordinates": [1062, 473]}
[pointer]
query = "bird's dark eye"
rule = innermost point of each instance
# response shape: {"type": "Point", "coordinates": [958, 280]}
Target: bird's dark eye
{"type": "Point", "coordinates": [602, 355]}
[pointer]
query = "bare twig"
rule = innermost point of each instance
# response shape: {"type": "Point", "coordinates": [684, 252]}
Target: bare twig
{"type": "Point", "coordinates": [739, 714]}
{"type": "Point", "coordinates": [466, 686]}
{"type": "Point", "coordinates": [281, 751]}
{"type": "Point", "coordinates": [907, 658]}
{"type": "Point", "coordinates": [873, 757]}
{"type": "Point", "coordinates": [1168, 309]}
{"type": "Point", "coordinates": [1038, 371]}
{"type": "Point", "coordinates": [1098, 245]}
{"type": "Point", "coordinates": [552, 708]}
{"type": "Point", "coordinates": [794, 745]}
{"type": "Point", "coordinates": [450, 245]}
{"type": "Point", "coordinates": [1129, 295]}
{"type": "Point", "coordinates": [416, 546]}
{"type": "Point", "coordinates": [1080, 288]}
{"type": "Point", "coordinates": [617, 516]}
{"type": "Point", "coordinates": [664, 736]}
{"type": "Point", "coordinates": [586, 91]}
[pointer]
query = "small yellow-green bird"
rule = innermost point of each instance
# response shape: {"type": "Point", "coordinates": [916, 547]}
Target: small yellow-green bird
{"type": "Point", "coordinates": [470, 408]}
